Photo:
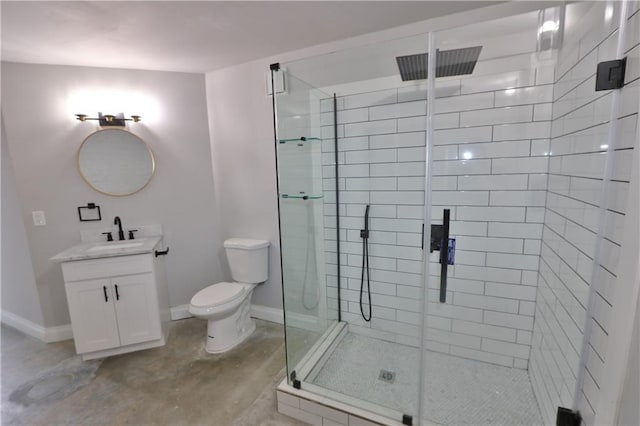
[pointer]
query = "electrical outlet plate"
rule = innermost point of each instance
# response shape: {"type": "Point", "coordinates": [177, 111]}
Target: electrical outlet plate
{"type": "Point", "coordinates": [38, 218]}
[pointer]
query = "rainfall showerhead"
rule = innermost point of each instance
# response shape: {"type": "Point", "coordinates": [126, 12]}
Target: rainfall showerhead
{"type": "Point", "coordinates": [448, 63]}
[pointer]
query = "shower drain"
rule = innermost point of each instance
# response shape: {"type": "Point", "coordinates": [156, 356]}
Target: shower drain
{"type": "Point", "coordinates": [387, 376]}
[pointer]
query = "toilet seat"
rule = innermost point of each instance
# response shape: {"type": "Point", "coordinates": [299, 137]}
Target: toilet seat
{"type": "Point", "coordinates": [218, 294]}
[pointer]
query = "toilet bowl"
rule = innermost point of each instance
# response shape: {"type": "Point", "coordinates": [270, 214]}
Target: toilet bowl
{"type": "Point", "coordinates": [226, 305]}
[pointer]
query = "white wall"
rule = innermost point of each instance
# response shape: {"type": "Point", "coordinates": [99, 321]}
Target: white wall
{"type": "Point", "coordinates": [38, 104]}
{"type": "Point", "coordinates": [19, 293]}
{"type": "Point", "coordinates": [579, 136]}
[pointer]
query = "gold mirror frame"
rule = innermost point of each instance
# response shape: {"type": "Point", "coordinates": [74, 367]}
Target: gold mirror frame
{"type": "Point", "coordinates": [114, 194]}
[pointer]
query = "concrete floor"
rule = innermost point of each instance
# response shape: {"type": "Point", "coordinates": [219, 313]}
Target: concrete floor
{"type": "Point", "coordinates": [180, 383]}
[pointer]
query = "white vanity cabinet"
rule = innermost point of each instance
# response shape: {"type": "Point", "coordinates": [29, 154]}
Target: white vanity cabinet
{"type": "Point", "coordinates": [117, 304]}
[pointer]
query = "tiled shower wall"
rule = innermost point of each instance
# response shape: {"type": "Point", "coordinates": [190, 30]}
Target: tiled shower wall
{"type": "Point", "coordinates": [579, 136]}
{"type": "Point", "coordinates": [490, 164]}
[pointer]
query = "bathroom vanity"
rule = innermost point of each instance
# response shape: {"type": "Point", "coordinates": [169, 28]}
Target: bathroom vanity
{"type": "Point", "coordinates": [117, 296]}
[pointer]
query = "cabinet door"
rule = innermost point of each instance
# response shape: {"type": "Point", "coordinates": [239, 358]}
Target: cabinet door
{"type": "Point", "coordinates": [93, 317]}
{"type": "Point", "coordinates": [137, 308]}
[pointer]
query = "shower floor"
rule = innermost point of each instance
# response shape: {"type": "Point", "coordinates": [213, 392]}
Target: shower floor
{"type": "Point", "coordinates": [458, 391]}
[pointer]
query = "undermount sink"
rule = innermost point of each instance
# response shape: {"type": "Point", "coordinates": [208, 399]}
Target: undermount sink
{"type": "Point", "coordinates": [115, 246]}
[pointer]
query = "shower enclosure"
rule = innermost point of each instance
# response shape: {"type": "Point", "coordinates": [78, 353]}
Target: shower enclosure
{"type": "Point", "coordinates": [450, 244]}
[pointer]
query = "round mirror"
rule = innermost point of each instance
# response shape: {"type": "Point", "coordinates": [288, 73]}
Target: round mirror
{"type": "Point", "coordinates": [115, 162]}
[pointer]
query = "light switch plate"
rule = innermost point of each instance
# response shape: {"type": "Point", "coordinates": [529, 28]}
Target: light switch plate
{"type": "Point", "coordinates": [38, 218]}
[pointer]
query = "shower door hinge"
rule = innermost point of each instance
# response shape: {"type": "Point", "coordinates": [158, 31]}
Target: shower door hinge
{"type": "Point", "coordinates": [610, 74]}
{"type": "Point", "coordinates": [407, 419]}
{"type": "Point", "coordinates": [296, 383]}
{"type": "Point", "coordinates": [568, 417]}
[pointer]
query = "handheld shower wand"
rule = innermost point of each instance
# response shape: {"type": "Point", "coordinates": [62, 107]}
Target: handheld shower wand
{"type": "Point", "coordinates": [364, 234]}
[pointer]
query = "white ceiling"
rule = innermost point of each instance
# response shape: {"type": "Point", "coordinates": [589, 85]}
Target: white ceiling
{"type": "Point", "coordinates": [193, 36]}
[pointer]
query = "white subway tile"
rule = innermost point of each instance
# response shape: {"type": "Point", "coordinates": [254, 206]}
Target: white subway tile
{"type": "Point", "coordinates": [524, 337]}
{"type": "Point", "coordinates": [488, 274]}
{"type": "Point", "coordinates": [461, 167]}
{"type": "Point", "coordinates": [411, 183]}
{"type": "Point", "coordinates": [499, 347]}
{"type": "Point", "coordinates": [515, 230]}
{"type": "Point", "coordinates": [511, 291]}
{"type": "Point", "coordinates": [411, 154]}
{"type": "Point", "coordinates": [516, 114]}
{"type": "Point", "coordinates": [457, 339]}
{"type": "Point", "coordinates": [520, 165]}
{"type": "Point", "coordinates": [542, 112]}
{"type": "Point", "coordinates": [347, 171]}
{"type": "Point", "coordinates": [370, 128]}
{"type": "Point", "coordinates": [495, 149]}
{"type": "Point", "coordinates": [524, 96]}
{"type": "Point", "coordinates": [478, 229]}
{"type": "Point", "coordinates": [348, 116]}
{"type": "Point", "coordinates": [444, 183]}
{"type": "Point", "coordinates": [397, 140]}
{"type": "Point", "coordinates": [484, 330]}
{"type": "Point", "coordinates": [381, 97]}
{"type": "Point", "coordinates": [446, 121]}
{"type": "Point", "coordinates": [535, 214]}
{"type": "Point", "coordinates": [486, 302]}
{"type": "Point", "coordinates": [464, 102]}
{"type": "Point", "coordinates": [492, 358]}
{"type": "Point", "coordinates": [509, 320]}
{"type": "Point", "coordinates": [288, 399]}
{"type": "Point", "coordinates": [537, 130]}
{"type": "Point", "coordinates": [517, 261]}
{"type": "Point", "coordinates": [492, 182]}
{"type": "Point", "coordinates": [399, 197]}
{"type": "Point", "coordinates": [454, 312]}
{"type": "Point", "coordinates": [464, 135]}
{"type": "Point", "coordinates": [411, 266]}
{"type": "Point", "coordinates": [527, 308]}
{"type": "Point", "coordinates": [296, 413]}
{"type": "Point", "coordinates": [396, 225]}
{"type": "Point", "coordinates": [324, 411]}
{"type": "Point", "coordinates": [366, 184]}
{"type": "Point", "coordinates": [410, 212]}
{"type": "Point", "coordinates": [540, 147]}
{"type": "Point", "coordinates": [399, 110]}
{"type": "Point", "coordinates": [498, 81]}
{"type": "Point", "coordinates": [496, 214]}
{"type": "Point", "coordinates": [398, 169]}
{"type": "Point", "coordinates": [444, 152]}
{"type": "Point", "coordinates": [500, 245]}
{"type": "Point", "coordinates": [412, 93]}
{"type": "Point", "coordinates": [371, 156]}
{"type": "Point", "coordinates": [459, 198]}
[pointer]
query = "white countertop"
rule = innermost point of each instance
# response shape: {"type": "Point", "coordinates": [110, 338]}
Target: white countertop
{"type": "Point", "coordinates": [95, 250]}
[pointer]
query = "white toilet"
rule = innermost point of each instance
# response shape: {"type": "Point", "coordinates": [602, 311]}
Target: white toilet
{"type": "Point", "coordinates": [226, 305]}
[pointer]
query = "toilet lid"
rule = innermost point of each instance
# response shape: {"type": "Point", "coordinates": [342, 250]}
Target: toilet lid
{"type": "Point", "coordinates": [217, 294]}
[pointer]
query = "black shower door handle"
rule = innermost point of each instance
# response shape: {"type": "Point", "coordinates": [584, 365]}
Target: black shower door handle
{"type": "Point", "coordinates": [444, 254]}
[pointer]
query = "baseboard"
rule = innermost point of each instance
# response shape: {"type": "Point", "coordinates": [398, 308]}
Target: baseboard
{"type": "Point", "coordinates": [268, 314]}
{"type": "Point", "coordinates": [180, 312]}
{"type": "Point", "coordinates": [30, 328]}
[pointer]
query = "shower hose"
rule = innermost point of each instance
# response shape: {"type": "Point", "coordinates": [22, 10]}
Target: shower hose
{"type": "Point", "coordinates": [364, 234]}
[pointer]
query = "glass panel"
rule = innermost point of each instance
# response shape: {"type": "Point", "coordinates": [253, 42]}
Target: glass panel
{"type": "Point", "coordinates": [519, 149]}
{"type": "Point", "coordinates": [309, 306]}
{"type": "Point", "coordinates": [371, 359]}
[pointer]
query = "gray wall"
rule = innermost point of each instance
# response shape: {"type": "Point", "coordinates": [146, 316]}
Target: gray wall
{"type": "Point", "coordinates": [44, 137]}
{"type": "Point", "coordinates": [243, 163]}
{"type": "Point", "coordinates": [19, 294]}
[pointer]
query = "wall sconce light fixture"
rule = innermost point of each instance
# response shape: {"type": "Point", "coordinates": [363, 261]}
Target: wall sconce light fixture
{"type": "Point", "coordinates": [110, 120]}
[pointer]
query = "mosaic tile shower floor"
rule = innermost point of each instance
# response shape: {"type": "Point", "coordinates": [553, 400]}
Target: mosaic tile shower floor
{"type": "Point", "coordinates": [458, 392]}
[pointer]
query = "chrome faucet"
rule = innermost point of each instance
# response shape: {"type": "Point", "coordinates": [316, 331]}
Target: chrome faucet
{"type": "Point", "coordinates": [118, 222]}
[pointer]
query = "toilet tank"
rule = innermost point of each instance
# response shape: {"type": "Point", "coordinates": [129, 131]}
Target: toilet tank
{"type": "Point", "coordinates": [248, 259]}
